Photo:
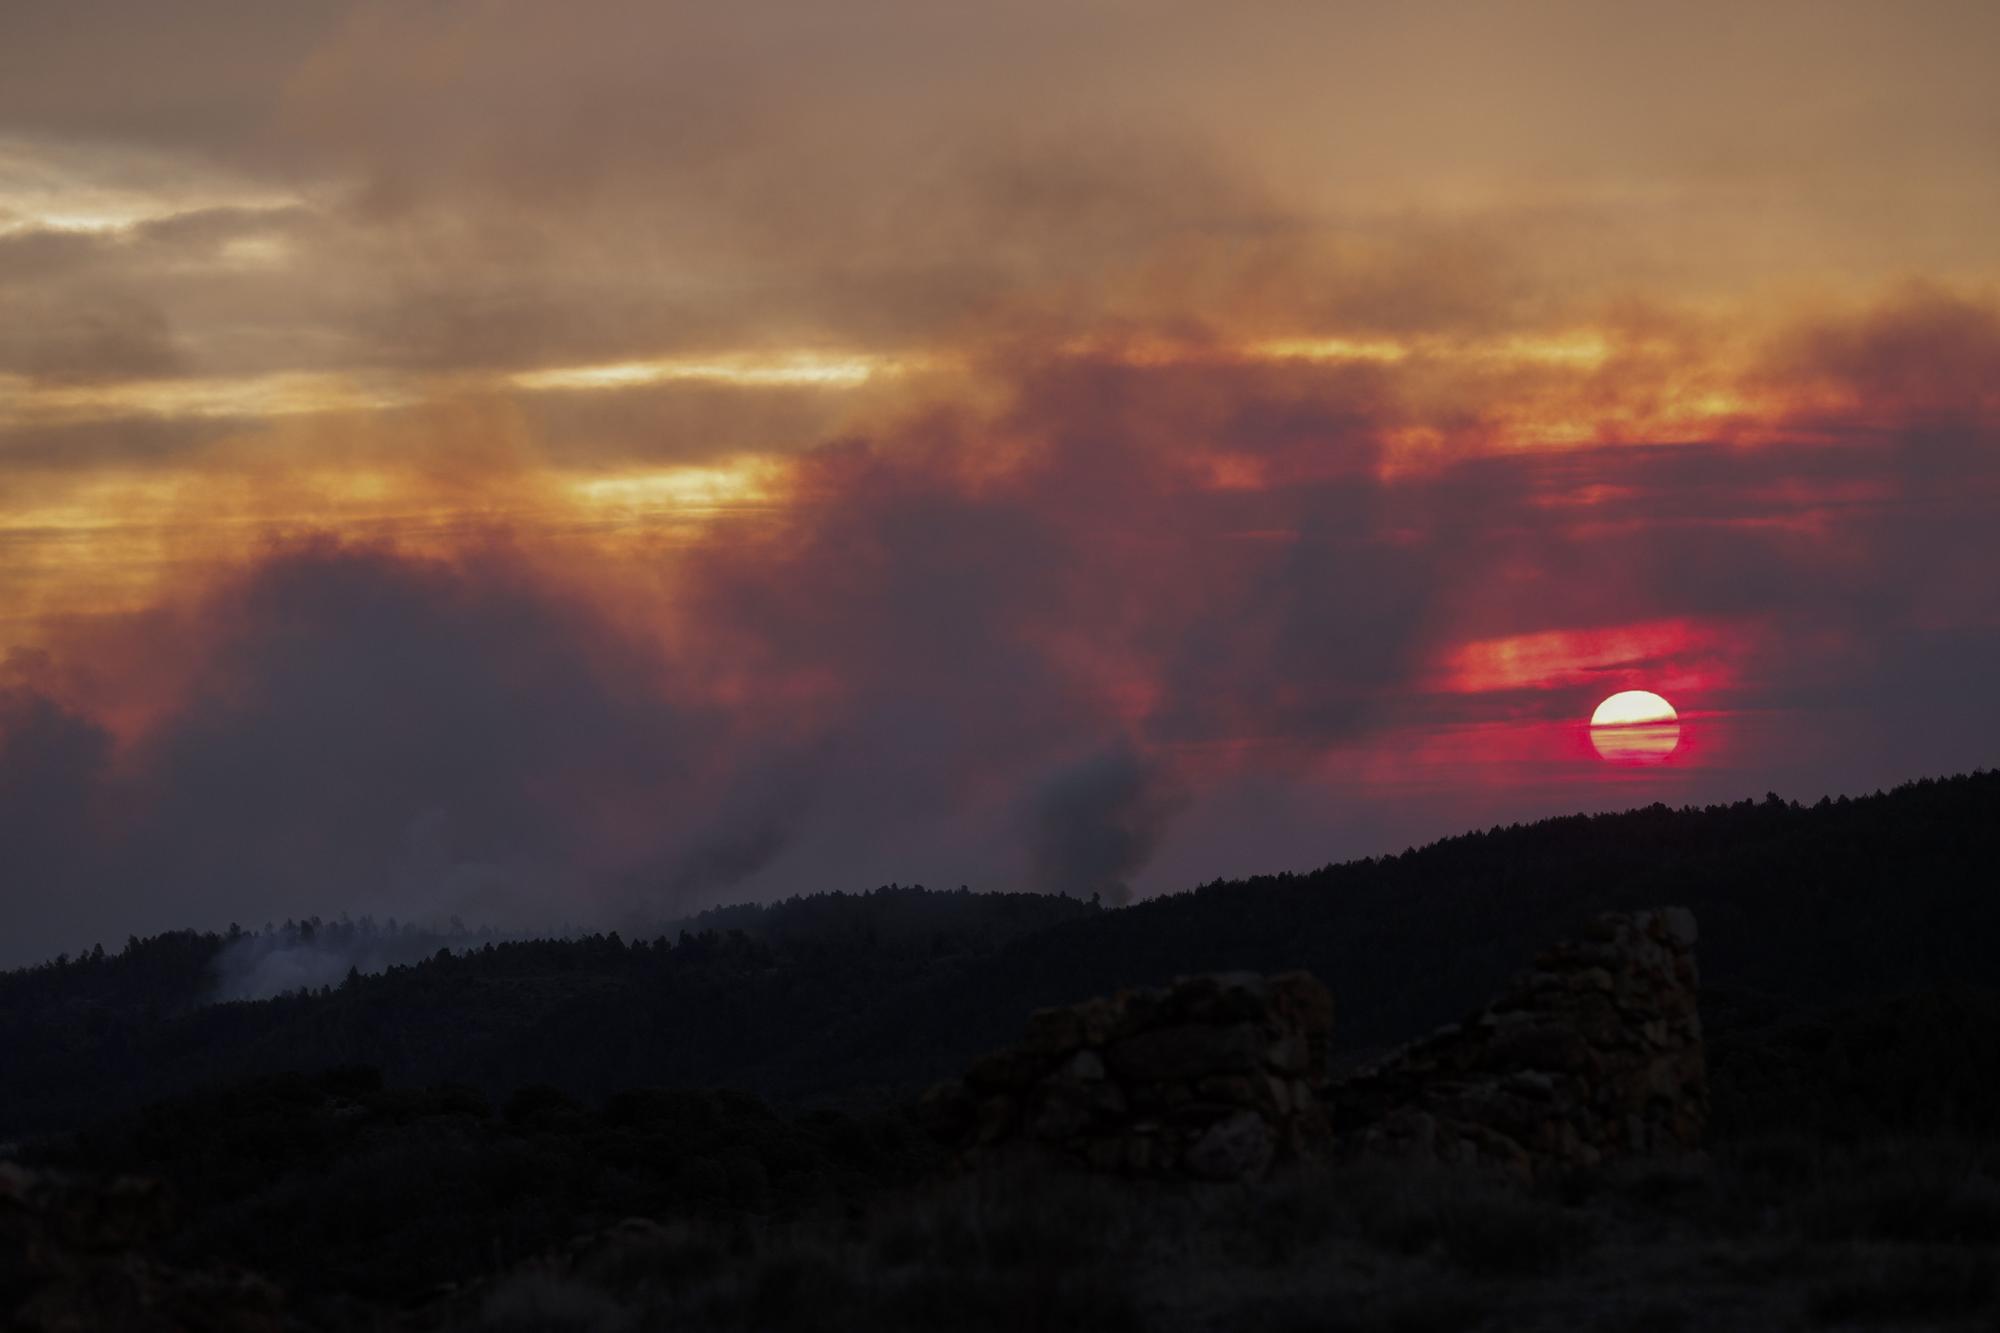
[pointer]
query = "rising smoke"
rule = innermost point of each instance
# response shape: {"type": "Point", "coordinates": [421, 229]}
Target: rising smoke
{"type": "Point", "coordinates": [1095, 823]}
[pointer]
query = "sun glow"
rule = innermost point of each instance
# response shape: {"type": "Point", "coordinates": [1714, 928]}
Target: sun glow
{"type": "Point", "coordinates": [1381, 350]}
{"type": "Point", "coordinates": [1548, 658]}
{"type": "Point", "coordinates": [1635, 727]}
{"type": "Point", "coordinates": [26, 403]}
{"type": "Point", "coordinates": [681, 489]}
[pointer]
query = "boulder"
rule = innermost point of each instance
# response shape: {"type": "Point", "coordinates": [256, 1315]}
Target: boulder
{"type": "Point", "coordinates": [1207, 1077]}
{"type": "Point", "coordinates": [1591, 1054]}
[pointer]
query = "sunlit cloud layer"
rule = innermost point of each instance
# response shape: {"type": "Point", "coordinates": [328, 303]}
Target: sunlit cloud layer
{"type": "Point", "coordinates": [577, 463]}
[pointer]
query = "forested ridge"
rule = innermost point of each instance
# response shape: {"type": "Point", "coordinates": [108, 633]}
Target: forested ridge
{"type": "Point", "coordinates": [858, 999]}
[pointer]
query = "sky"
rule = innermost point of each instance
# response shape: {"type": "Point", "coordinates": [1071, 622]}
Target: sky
{"type": "Point", "coordinates": [585, 463]}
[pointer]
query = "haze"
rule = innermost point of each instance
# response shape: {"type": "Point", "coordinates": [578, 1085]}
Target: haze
{"type": "Point", "coordinates": [587, 463]}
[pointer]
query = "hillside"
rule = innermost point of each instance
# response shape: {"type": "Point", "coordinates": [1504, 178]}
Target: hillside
{"type": "Point", "coordinates": [859, 999]}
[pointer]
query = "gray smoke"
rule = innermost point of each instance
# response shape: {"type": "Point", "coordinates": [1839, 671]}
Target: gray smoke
{"type": "Point", "coordinates": [1096, 823]}
{"type": "Point", "coordinates": [311, 954]}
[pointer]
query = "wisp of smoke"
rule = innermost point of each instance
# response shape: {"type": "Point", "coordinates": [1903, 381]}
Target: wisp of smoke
{"type": "Point", "coordinates": [1096, 823]}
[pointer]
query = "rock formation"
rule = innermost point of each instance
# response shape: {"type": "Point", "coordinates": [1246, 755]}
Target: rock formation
{"type": "Point", "coordinates": [1593, 1054]}
{"type": "Point", "coordinates": [1213, 1077]}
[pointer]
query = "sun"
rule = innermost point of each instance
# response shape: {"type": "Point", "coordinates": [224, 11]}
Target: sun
{"type": "Point", "coordinates": [1632, 708]}
{"type": "Point", "coordinates": [1635, 727]}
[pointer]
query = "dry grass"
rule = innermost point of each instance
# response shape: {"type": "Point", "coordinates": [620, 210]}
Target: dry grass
{"type": "Point", "coordinates": [1774, 1234]}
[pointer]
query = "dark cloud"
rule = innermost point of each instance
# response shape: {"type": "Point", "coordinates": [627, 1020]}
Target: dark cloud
{"type": "Point", "coordinates": [89, 341]}
{"type": "Point", "coordinates": [34, 253]}
{"type": "Point", "coordinates": [691, 422]}
{"type": "Point", "coordinates": [375, 730]}
{"type": "Point", "coordinates": [53, 765]}
{"type": "Point", "coordinates": [51, 761]}
{"type": "Point", "coordinates": [53, 451]}
{"type": "Point", "coordinates": [1926, 351]}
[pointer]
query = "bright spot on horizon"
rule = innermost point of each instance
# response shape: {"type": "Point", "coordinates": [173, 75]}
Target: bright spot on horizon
{"type": "Point", "coordinates": [1635, 727]}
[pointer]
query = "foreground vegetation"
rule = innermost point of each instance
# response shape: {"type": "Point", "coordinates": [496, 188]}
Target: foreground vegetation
{"type": "Point", "coordinates": [1772, 1233]}
{"type": "Point", "coordinates": [1853, 1158]}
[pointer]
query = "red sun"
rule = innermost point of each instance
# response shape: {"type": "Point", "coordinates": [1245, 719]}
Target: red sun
{"type": "Point", "coordinates": [1635, 727]}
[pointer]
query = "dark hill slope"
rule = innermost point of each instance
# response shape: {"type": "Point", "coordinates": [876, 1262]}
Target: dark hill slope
{"type": "Point", "coordinates": [862, 997]}
{"type": "Point", "coordinates": [1799, 906]}
{"type": "Point", "coordinates": [93, 1036]}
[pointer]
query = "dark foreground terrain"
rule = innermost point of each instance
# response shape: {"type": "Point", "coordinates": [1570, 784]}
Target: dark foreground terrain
{"type": "Point", "coordinates": [1767, 1232]}
{"type": "Point", "coordinates": [528, 1136]}
{"type": "Point", "coordinates": [1770, 1235]}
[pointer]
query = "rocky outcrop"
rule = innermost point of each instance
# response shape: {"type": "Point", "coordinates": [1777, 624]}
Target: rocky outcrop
{"type": "Point", "coordinates": [1593, 1054]}
{"type": "Point", "coordinates": [1214, 1077]}
{"type": "Point", "coordinates": [72, 1258]}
